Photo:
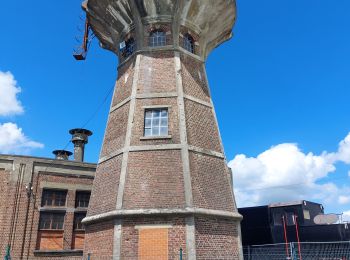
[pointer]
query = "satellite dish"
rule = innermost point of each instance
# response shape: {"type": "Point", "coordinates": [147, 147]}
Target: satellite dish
{"type": "Point", "coordinates": [326, 219]}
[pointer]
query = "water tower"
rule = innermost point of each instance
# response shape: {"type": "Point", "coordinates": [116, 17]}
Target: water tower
{"type": "Point", "coordinates": [162, 184]}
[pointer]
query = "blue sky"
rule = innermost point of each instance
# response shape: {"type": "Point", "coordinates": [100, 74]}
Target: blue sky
{"type": "Point", "coordinates": [281, 88]}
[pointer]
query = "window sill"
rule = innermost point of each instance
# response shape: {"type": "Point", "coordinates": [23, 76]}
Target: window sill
{"type": "Point", "coordinates": [53, 230]}
{"type": "Point", "coordinates": [80, 209]}
{"type": "Point", "coordinates": [144, 138]}
{"type": "Point", "coordinates": [69, 252]}
{"type": "Point", "coordinates": [55, 209]}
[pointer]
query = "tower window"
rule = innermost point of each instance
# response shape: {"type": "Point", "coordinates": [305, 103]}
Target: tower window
{"type": "Point", "coordinates": [129, 47]}
{"type": "Point", "coordinates": [157, 38]}
{"type": "Point", "coordinates": [156, 122]}
{"type": "Point", "coordinates": [188, 43]}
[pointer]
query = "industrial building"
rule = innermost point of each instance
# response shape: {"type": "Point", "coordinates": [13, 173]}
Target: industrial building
{"type": "Point", "coordinates": [43, 202]}
{"type": "Point", "coordinates": [296, 221]}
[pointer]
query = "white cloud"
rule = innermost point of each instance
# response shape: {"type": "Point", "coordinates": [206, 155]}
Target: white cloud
{"type": "Point", "coordinates": [343, 153]}
{"type": "Point", "coordinates": [9, 104]}
{"type": "Point", "coordinates": [344, 199]}
{"type": "Point", "coordinates": [13, 140]}
{"type": "Point", "coordinates": [346, 216]}
{"type": "Point", "coordinates": [285, 173]}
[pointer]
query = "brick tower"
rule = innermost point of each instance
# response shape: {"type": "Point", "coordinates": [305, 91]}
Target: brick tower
{"type": "Point", "coordinates": [162, 184]}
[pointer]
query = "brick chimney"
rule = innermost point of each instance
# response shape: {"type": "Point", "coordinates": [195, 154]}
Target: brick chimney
{"type": "Point", "coordinates": [79, 139]}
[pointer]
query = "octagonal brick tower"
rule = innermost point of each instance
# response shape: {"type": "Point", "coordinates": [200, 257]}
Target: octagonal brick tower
{"type": "Point", "coordinates": [162, 183]}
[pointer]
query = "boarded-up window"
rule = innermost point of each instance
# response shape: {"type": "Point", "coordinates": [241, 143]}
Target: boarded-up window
{"type": "Point", "coordinates": [78, 231]}
{"type": "Point", "coordinates": [50, 235]}
{"type": "Point", "coordinates": [50, 240]}
{"type": "Point", "coordinates": [78, 240]}
{"type": "Point", "coordinates": [153, 244]}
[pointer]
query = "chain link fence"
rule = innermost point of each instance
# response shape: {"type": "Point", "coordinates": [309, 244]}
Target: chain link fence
{"type": "Point", "coordinates": [301, 251]}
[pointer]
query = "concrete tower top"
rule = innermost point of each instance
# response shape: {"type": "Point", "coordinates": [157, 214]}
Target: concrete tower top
{"type": "Point", "coordinates": [113, 20]}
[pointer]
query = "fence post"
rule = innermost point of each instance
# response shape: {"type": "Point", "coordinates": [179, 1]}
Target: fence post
{"type": "Point", "coordinates": [180, 253]}
{"type": "Point", "coordinates": [293, 254]}
{"type": "Point", "coordinates": [8, 254]}
{"type": "Point", "coordinates": [249, 253]}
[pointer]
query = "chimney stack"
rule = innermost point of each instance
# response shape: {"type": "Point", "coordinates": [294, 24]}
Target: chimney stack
{"type": "Point", "coordinates": [79, 139]}
{"type": "Point", "coordinates": [62, 154]}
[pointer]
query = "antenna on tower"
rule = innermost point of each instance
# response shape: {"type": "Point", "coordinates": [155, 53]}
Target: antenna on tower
{"type": "Point", "coordinates": [80, 52]}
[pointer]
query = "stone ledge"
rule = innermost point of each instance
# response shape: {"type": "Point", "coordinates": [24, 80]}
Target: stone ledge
{"type": "Point", "coordinates": [46, 253]}
{"type": "Point", "coordinates": [144, 138]}
{"type": "Point", "coordinates": [157, 212]}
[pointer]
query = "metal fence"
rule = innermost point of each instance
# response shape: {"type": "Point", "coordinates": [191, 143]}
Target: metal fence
{"type": "Point", "coordinates": [301, 251]}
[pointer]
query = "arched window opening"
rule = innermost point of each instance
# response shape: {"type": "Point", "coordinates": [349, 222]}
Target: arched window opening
{"type": "Point", "coordinates": [129, 47]}
{"type": "Point", "coordinates": [188, 43]}
{"type": "Point", "coordinates": [157, 38]}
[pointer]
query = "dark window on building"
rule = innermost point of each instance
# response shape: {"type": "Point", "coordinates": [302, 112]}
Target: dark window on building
{"type": "Point", "coordinates": [188, 43]}
{"type": "Point", "coordinates": [277, 219]}
{"type": "Point", "coordinates": [156, 122]}
{"type": "Point", "coordinates": [82, 199]}
{"type": "Point", "coordinates": [78, 217]}
{"type": "Point", "coordinates": [129, 47]}
{"type": "Point", "coordinates": [54, 198]}
{"type": "Point", "coordinates": [51, 221]}
{"type": "Point", "coordinates": [157, 38]}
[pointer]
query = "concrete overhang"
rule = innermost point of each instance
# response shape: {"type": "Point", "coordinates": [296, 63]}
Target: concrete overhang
{"type": "Point", "coordinates": [212, 20]}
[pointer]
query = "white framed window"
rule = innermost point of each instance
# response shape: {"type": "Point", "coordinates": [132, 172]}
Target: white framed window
{"type": "Point", "coordinates": [156, 122]}
{"type": "Point", "coordinates": [129, 47]}
{"type": "Point", "coordinates": [157, 38]}
{"type": "Point", "coordinates": [188, 43]}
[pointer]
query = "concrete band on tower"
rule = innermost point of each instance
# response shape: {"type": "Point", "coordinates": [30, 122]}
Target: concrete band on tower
{"type": "Point", "coordinates": [162, 174]}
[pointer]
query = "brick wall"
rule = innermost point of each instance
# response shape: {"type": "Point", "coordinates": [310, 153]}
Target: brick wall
{"type": "Point", "coordinates": [155, 180]}
{"type": "Point", "coordinates": [210, 183]}
{"type": "Point", "coordinates": [105, 189]}
{"type": "Point", "coordinates": [124, 82]}
{"type": "Point", "coordinates": [116, 130]}
{"type": "Point", "coordinates": [216, 239]}
{"type": "Point", "coordinates": [157, 73]}
{"type": "Point", "coordinates": [22, 214]}
{"type": "Point", "coordinates": [4, 209]}
{"type": "Point", "coordinates": [15, 211]}
{"type": "Point", "coordinates": [201, 127]}
{"type": "Point", "coordinates": [193, 78]}
{"type": "Point", "coordinates": [99, 240]}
